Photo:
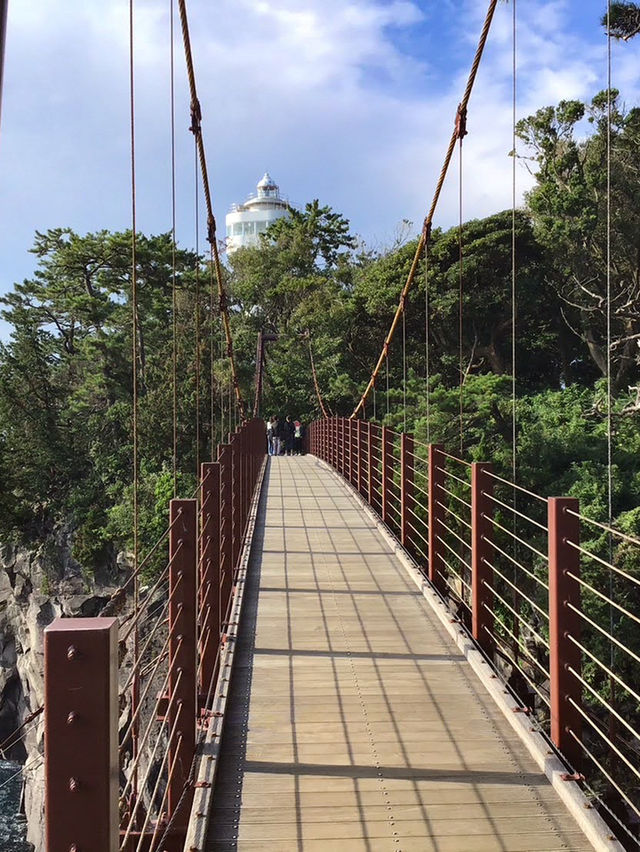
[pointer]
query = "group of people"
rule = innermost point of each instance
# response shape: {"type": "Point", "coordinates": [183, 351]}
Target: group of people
{"type": "Point", "coordinates": [285, 437]}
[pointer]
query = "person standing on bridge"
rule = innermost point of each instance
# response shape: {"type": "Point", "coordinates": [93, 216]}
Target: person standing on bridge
{"type": "Point", "coordinates": [289, 435]}
{"type": "Point", "coordinates": [277, 435]}
{"type": "Point", "coordinates": [298, 435]}
{"type": "Point", "coordinates": [271, 434]}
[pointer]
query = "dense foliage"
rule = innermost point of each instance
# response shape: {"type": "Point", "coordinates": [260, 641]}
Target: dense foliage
{"type": "Point", "coordinates": [65, 374]}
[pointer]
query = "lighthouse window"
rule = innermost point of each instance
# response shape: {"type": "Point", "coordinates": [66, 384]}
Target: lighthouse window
{"type": "Point", "coordinates": [237, 229]}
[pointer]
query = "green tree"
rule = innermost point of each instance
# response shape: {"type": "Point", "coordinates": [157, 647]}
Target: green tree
{"type": "Point", "coordinates": [569, 209]}
{"type": "Point", "coordinates": [623, 20]}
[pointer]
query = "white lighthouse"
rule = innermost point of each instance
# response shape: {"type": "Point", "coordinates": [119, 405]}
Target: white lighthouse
{"type": "Point", "coordinates": [248, 220]}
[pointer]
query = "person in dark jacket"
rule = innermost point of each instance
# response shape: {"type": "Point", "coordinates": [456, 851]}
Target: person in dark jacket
{"type": "Point", "coordinates": [278, 437]}
{"type": "Point", "coordinates": [289, 435]}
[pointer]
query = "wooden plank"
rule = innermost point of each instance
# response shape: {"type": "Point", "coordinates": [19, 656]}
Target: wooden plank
{"type": "Point", "coordinates": [354, 721]}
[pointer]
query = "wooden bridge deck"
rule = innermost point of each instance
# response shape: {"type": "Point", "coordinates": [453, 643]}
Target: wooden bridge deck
{"type": "Point", "coordinates": [354, 723]}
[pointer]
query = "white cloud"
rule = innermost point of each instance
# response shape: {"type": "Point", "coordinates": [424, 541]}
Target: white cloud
{"type": "Point", "coordinates": [324, 93]}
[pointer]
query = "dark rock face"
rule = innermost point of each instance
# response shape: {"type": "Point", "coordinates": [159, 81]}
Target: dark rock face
{"type": "Point", "coordinates": [37, 586]}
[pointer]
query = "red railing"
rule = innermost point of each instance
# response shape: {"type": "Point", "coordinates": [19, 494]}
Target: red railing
{"type": "Point", "coordinates": [128, 696]}
{"type": "Point", "coordinates": [557, 618]}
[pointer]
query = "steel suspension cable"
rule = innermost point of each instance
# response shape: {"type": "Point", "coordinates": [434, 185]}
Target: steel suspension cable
{"type": "Point", "coordinates": [514, 448]}
{"type": "Point", "coordinates": [174, 299]}
{"type": "Point", "coordinates": [612, 651]}
{"type": "Point", "coordinates": [212, 359]}
{"type": "Point", "coordinates": [460, 297]}
{"type": "Point", "coordinates": [404, 371]}
{"type": "Point", "coordinates": [426, 339]}
{"type": "Point", "coordinates": [387, 388]}
{"type": "Point", "coordinates": [197, 314]}
{"type": "Point", "coordinates": [134, 365]}
{"type": "Point", "coordinates": [514, 317]}
{"type": "Point", "coordinates": [196, 129]}
{"type": "Point", "coordinates": [458, 131]}
{"type": "Point", "coordinates": [315, 378]}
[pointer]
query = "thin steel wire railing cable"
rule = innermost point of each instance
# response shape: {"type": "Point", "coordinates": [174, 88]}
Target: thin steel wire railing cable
{"type": "Point", "coordinates": [145, 692]}
{"type": "Point", "coordinates": [459, 538]}
{"type": "Point", "coordinates": [453, 514]}
{"type": "Point", "coordinates": [508, 556]}
{"type": "Point", "coordinates": [32, 721]}
{"type": "Point", "coordinates": [453, 496]}
{"type": "Point", "coordinates": [597, 763]}
{"type": "Point", "coordinates": [513, 662]}
{"type": "Point", "coordinates": [152, 721]}
{"type": "Point", "coordinates": [149, 600]}
{"type": "Point", "coordinates": [457, 479]}
{"type": "Point", "coordinates": [142, 840]}
{"type": "Point", "coordinates": [152, 634]}
{"type": "Point", "coordinates": [517, 538]}
{"type": "Point", "coordinates": [513, 485]}
{"type": "Point", "coordinates": [603, 562]}
{"type": "Point", "coordinates": [603, 632]}
{"type": "Point", "coordinates": [608, 707]}
{"type": "Point", "coordinates": [196, 128]}
{"type": "Point", "coordinates": [603, 597]}
{"type": "Point", "coordinates": [152, 663]}
{"type": "Point", "coordinates": [607, 740]}
{"type": "Point", "coordinates": [154, 549]}
{"type": "Point", "coordinates": [514, 511]}
{"type": "Point", "coordinates": [516, 614]}
{"type": "Point", "coordinates": [25, 768]}
{"type": "Point", "coordinates": [606, 528]}
{"type": "Point", "coordinates": [150, 768]}
{"type": "Point", "coordinates": [426, 231]}
{"type": "Point", "coordinates": [521, 649]}
{"type": "Point", "coordinates": [604, 667]}
{"type": "Point", "coordinates": [155, 838]}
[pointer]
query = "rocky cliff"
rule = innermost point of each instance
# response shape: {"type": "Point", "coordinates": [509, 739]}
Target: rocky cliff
{"type": "Point", "coordinates": [37, 586]}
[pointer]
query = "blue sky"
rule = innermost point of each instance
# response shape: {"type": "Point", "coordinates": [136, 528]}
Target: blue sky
{"type": "Point", "coordinates": [350, 101]}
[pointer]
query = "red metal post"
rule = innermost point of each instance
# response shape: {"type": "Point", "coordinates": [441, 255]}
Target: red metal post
{"type": "Point", "coordinates": [81, 734]}
{"type": "Point", "coordinates": [361, 456]}
{"type": "Point", "coordinates": [226, 530]}
{"type": "Point", "coordinates": [564, 622]}
{"type": "Point", "coordinates": [349, 439]}
{"type": "Point", "coordinates": [347, 447]}
{"type": "Point", "coordinates": [182, 654]}
{"type": "Point", "coordinates": [235, 501]}
{"type": "Point", "coordinates": [374, 474]}
{"type": "Point", "coordinates": [343, 442]}
{"type": "Point", "coordinates": [482, 601]}
{"type": "Point", "coordinates": [209, 575]}
{"type": "Point", "coordinates": [370, 463]}
{"type": "Point", "coordinates": [437, 461]}
{"type": "Point", "coordinates": [387, 472]}
{"type": "Point", "coordinates": [406, 489]}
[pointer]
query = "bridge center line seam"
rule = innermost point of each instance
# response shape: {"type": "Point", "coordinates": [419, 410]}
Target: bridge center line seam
{"type": "Point", "coordinates": [372, 742]}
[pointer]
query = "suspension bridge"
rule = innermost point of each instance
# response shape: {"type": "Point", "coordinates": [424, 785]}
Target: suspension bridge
{"type": "Point", "coordinates": [376, 645]}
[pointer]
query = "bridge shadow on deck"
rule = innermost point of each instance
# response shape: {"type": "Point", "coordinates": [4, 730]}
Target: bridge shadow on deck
{"type": "Point", "coordinates": [353, 723]}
